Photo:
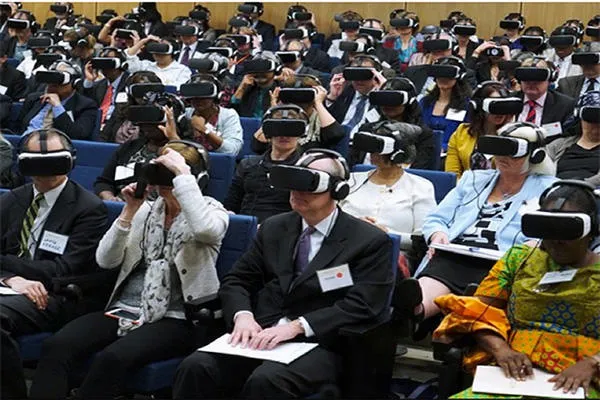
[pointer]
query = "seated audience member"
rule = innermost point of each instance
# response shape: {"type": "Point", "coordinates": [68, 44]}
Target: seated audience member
{"type": "Point", "coordinates": [153, 134]}
{"type": "Point", "coordinates": [216, 128]}
{"type": "Point", "coordinates": [43, 61]}
{"type": "Point", "coordinates": [266, 31]}
{"type": "Point", "coordinates": [564, 41]}
{"type": "Point", "coordinates": [119, 32]}
{"type": "Point", "coordinates": [82, 47]}
{"type": "Point", "coordinates": [151, 20]}
{"type": "Point", "coordinates": [250, 192]}
{"type": "Point", "coordinates": [589, 81]}
{"type": "Point", "coordinates": [6, 11]}
{"type": "Point", "coordinates": [166, 252]}
{"type": "Point", "coordinates": [516, 324]}
{"type": "Point", "coordinates": [6, 162]}
{"type": "Point", "coordinates": [37, 45]}
{"type": "Point", "coordinates": [349, 104]}
{"type": "Point", "coordinates": [513, 24]}
{"type": "Point", "coordinates": [486, 59]}
{"type": "Point", "coordinates": [272, 295]}
{"type": "Point", "coordinates": [405, 44]}
{"type": "Point", "coordinates": [201, 15]}
{"type": "Point", "coordinates": [578, 156]}
{"type": "Point", "coordinates": [247, 39]}
{"type": "Point", "coordinates": [63, 16]}
{"type": "Point", "coordinates": [483, 211]}
{"type": "Point", "coordinates": [397, 101]}
{"type": "Point", "coordinates": [465, 30]}
{"type": "Point", "coordinates": [314, 58]}
{"type": "Point", "coordinates": [164, 65]}
{"type": "Point", "coordinates": [322, 131]}
{"type": "Point", "coordinates": [217, 65]}
{"type": "Point", "coordinates": [542, 106]}
{"type": "Point", "coordinates": [534, 41]}
{"type": "Point", "coordinates": [292, 55]}
{"type": "Point", "coordinates": [60, 106]}
{"type": "Point", "coordinates": [491, 107]}
{"type": "Point", "coordinates": [12, 81]}
{"type": "Point", "coordinates": [349, 24]}
{"type": "Point", "coordinates": [111, 63]}
{"type": "Point", "coordinates": [592, 31]}
{"type": "Point", "coordinates": [252, 97]}
{"type": "Point", "coordinates": [444, 108]}
{"type": "Point", "coordinates": [30, 216]}
{"type": "Point", "coordinates": [366, 44]}
{"type": "Point", "coordinates": [389, 197]}
{"type": "Point", "coordinates": [23, 24]}
{"type": "Point", "coordinates": [371, 32]}
{"type": "Point", "coordinates": [188, 35]}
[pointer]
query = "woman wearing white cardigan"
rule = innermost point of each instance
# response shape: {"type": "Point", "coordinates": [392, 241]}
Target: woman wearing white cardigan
{"type": "Point", "coordinates": [166, 252]}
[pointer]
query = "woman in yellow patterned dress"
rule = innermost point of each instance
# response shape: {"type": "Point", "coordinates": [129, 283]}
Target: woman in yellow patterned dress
{"type": "Point", "coordinates": [518, 323]}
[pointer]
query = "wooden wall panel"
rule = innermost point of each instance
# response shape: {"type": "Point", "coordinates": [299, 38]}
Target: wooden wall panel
{"type": "Point", "coordinates": [42, 10]}
{"type": "Point", "coordinates": [549, 16]}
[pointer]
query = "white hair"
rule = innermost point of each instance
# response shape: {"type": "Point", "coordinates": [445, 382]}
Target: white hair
{"type": "Point", "coordinates": [548, 165]}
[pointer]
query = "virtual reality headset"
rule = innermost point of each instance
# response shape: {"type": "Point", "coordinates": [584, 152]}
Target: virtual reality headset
{"type": "Point", "coordinates": [199, 90]}
{"type": "Point", "coordinates": [531, 41]}
{"type": "Point", "coordinates": [297, 95]}
{"type": "Point", "coordinates": [372, 143]}
{"type": "Point", "coordinates": [290, 177]}
{"type": "Point", "coordinates": [403, 23]}
{"type": "Point", "coordinates": [153, 174]}
{"type": "Point", "coordinates": [510, 24]}
{"type": "Point", "coordinates": [224, 51]}
{"type": "Point", "coordinates": [302, 16]}
{"type": "Point", "coordinates": [198, 15]}
{"type": "Point", "coordinates": [241, 40]}
{"type": "Point", "coordinates": [499, 106]}
{"type": "Point", "coordinates": [590, 114]}
{"type": "Point", "coordinates": [138, 90]}
{"type": "Point", "coordinates": [39, 42]}
{"type": "Point", "coordinates": [377, 34]}
{"type": "Point", "coordinates": [447, 23]}
{"type": "Point", "coordinates": [186, 30]}
{"type": "Point", "coordinates": [494, 52]}
{"type": "Point", "coordinates": [238, 22]}
{"type": "Point", "coordinates": [104, 18]}
{"type": "Point", "coordinates": [53, 77]}
{"type": "Point", "coordinates": [464, 30]}
{"type": "Point", "coordinates": [592, 31]}
{"type": "Point", "coordinates": [204, 65]}
{"type": "Point", "coordinates": [358, 73]}
{"type": "Point", "coordinates": [532, 74]}
{"type": "Point", "coordinates": [585, 58]}
{"type": "Point", "coordinates": [437, 45]}
{"type": "Point", "coordinates": [147, 114]}
{"type": "Point", "coordinates": [562, 40]}
{"type": "Point", "coordinates": [288, 57]}
{"type": "Point", "coordinates": [49, 163]}
{"type": "Point", "coordinates": [556, 225]}
{"type": "Point", "coordinates": [389, 97]}
{"type": "Point", "coordinates": [353, 47]}
{"type": "Point", "coordinates": [106, 63]}
{"type": "Point", "coordinates": [15, 23]}
{"type": "Point", "coordinates": [349, 25]}
{"type": "Point", "coordinates": [124, 33]}
{"type": "Point", "coordinates": [259, 65]}
{"type": "Point", "coordinates": [504, 146]}
{"type": "Point", "coordinates": [59, 9]}
{"type": "Point", "coordinates": [284, 127]}
{"type": "Point", "coordinates": [248, 9]}
{"type": "Point", "coordinates": [444, 71]}
{"type": "Point", "coordinates": [299, 33]}
{"type": "Point", "coordinates": [46, 59]}
{"type": "Point", "coordinates": [159, 48]}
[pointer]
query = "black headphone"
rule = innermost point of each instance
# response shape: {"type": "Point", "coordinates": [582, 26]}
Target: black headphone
{"type": "Point", "coordinates": [338, 186]}
{"type": "Point", "coordinates": [120, 55]}
{"type": "Point", "coordinates": [588, 188]}
{"type": "Point", "coordinates": [200, 172]}
{"type": "Point", "coordinates": [43, 138]}
{"type": "Point", "coordinates": [477, 98]}
{"type": "Point", "coordinates": [74, 74]}
{"type": "Point", "coordinates": [538, 152]}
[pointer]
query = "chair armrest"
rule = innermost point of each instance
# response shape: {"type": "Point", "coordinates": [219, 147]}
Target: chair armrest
{"type": "Point", "coordinates": [364, 329]}
{"type": "Point", "coordinates": [202, 309]}
{"type": "Point", "coordinates": [69, 291]}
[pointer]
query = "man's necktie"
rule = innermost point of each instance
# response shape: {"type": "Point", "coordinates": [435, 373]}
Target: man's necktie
{"type": "Point", "coordinates": [358, 112]}
{"type": "Point", "coordinates": [185, 58]}
{"type": "Point", "coordinates": [591, 85]}
{"type": "Point", "coordinates": [531, 114]}
{"type": "Point", "coordinates": [303, 249]}
{"type": "Point", "coordinates": [106, 102]}
{"type": "Point", "coordinates": [30, 216]}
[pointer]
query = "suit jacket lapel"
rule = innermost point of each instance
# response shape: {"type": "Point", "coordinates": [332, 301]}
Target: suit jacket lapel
{"type": "Point", "coordinates": [57, 215]}
{"type": "Point", "coordinates": [548, 113]}
{"type": "Point", "coordinates": [579, 85]}
{"type": "Point", "coordinates": [286, 254]}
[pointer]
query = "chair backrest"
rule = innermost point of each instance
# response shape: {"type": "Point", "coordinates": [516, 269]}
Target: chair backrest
{"type": "Point", "coordinates": [13, 118]}
{"type": "Point", "coordinates": [239, 236]}
{"type": "Point", "coordinates": [96, 130]}
{"type": "Point", "coordinates": [222, 168]}
{"type": "Point", "coordinates": [343, 146]}
{"type": "Point", "coordinates": [114, 210]}
{"type": "Point", "coordinates": [437, 149]}
{"type": "Point", "coordinates": [249, 126]}
{"type": "Point", "coordinates": [443, 182]}
{"type": "Point", "coordinates": [171, 89]}
{"type": "Point", "coordinates": [91, 159]}
{"type": "Point", "coordinates": [334, 62]}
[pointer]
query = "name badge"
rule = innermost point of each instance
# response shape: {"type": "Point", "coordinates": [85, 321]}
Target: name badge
{"type": "Point", "coordinates": [552, 129]}
{"type": "Point", "coordinates": [3, 89]}
{"type": "Point", "coordinates": [121, 98]}
{"type": "Point", "coordinates": [335, 278]}
{"type": "Point", "coordinates": [456, 115]}
{"type": "Point", "coordinates": [551, 278]}
{"type": "Point", "coordinates": [372, 115]}
{"type": "Point", "coordinates": [54, 242]}
{"type": "Point", "coordinates": [124, 171]}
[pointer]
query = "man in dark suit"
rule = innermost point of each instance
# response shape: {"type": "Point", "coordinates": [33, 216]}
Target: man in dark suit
{"type": "Point", "coordinates": [252, 97]}
{"type": "Point", "coordinates": [279, 291]}
{"type": "Point", "coordinates": [62, 18]}
{"type": "Point", "coordinates": [12, 81]}
{"type": "Point", "coordinates": [49, 229]}
{"type": "Point", "coordinates": [314, 57]}
{"type": "Point", "coordinates": [293, 54]}
{"type": "Point", "coordinates": [264, 29]}
{"type": "Point", "coordinates": [60, 107]}
{"type": "Point", "coordinates": [575, 86]}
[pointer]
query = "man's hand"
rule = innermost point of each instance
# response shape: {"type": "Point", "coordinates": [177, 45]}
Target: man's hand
{"type": "Point", "coordinates": [247, 81]}
{"type": "Point", "coordinates": [51, 98]}
{"type": "Point", "coordinates": [378, 79]}
{"type": "Point", "coordinates": [336, 86]}
{"type": "Point", "coordinates": [90, 74]}
{"type": "Point", "coordinates": [274, 95]}
{"type": "Point", "coordinates": [579, 374]}
{"type": "Point", "coordinates": [245, 329]}
{"type": "Point", "coordinates": [271, 337]}
{"type": "Point", "coordinates": [33, 290]}
{"type": "Point", "coordinates": [170, 129]}
{"type": "Point", "coordinates": [320, 95]}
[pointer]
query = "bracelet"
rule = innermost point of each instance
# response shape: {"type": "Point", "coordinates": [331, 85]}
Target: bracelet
{"type": "Point", "coordinates": [124, 221]}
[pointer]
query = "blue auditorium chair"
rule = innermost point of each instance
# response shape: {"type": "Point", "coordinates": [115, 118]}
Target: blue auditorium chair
{"type": "Point", "coordinates": [221, 170]}
{"type": "Point", "coordinates": [91, 159]}
{"type": "Point", "coordinates": [96, 130]}
{"type": "Point", "coordinates": [249, 126]}
{"type": "Point", "coordinates": [343, 146]}
{"type": "Point", "coordinates": [13, 119]}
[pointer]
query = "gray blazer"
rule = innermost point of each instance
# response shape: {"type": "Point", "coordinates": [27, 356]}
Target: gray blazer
{"type": "Point", "coordinates": [571, 85]}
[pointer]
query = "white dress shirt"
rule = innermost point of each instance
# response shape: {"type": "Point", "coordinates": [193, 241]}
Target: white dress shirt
{"type": "Point", "coordinates": [566, 67]}
{"type": "Point", "coordinates": [174, 74]}
{"type": "Point", "coordinates": [46, 205]}
{"type": "Point", "coordinates": [539, 109]}
{"type": "Point", "coordinates": [191, 52]}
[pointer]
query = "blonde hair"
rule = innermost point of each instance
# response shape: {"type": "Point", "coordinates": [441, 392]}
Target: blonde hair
{"type": "Point", "coordinates": [190, 154]}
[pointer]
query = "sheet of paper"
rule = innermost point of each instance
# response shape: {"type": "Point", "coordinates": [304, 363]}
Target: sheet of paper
{"type": "Point", "coordinates": [479, 252]}
{"type": "Point", "coordinates": [491, 380]}
{"type": "Point", "coordinates": [7, 291]}
{"type": "Point", "coordinates": [284, 353]}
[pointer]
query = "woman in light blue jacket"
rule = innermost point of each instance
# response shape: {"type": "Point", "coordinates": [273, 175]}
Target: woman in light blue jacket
{"type": "Point", "coordinates": [482, 212]}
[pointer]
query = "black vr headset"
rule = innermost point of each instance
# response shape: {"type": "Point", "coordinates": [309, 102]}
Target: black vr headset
{"type": "Point", "coordinates": [53, 77]}
{"type": "Point", "coordinates": [505, 146]}
{"type": "Point", "coordinates": [349, 25]}
{"type": "Point", "coordinates": [198, 15]}
{"type": "Point", "coordinates": [298, 33]}
{"type": "Point", "coordinates": [138, 90]}
{"type": "Point", "coordinates": [39, 42]}
{"type": "Point", "coordinates": [530, 41]}
{"type": "Point", "coordinates": [437, 45]}
{"type": "Point", "coordinates": [59, 9]}
{"type": "Point", "coordinates": [562, 40]}
{"type": "Point", "coordinates": [377, 34]}
{"type": "Point", "coordinates": [238, 22]}
{"type": "Point", "coordinates": [532, 74]}
{"type": "Point", "coordinates": [124, 33]}
{"type": "Point", "coordinates": [240, 40]}
{"type": "Point", "coordinates": [186, 30]}
{"type": "Point", "coordinates": [585, 58]}
{"type": "Point", "coordinates": [358, 73]}
{"type": "Point", "coordinates": [510, 24]}
{"type": "Point", "coordinates": [147, 114]}
{"type": "Point", "coordinates": [353, 47]}
{"type": "Point", "coordinates": [18, 24]}
{"type": "Point", "coordinates": [205, 90]}
{"type": "Point", "coordinates": [394, 139]}
{"type": "Point", "coordinates": [389, 97]}
{"type": "Point", "coordinates": [495, 51]}
{"type": "Point", "coordinates": [248, 9]}
{"type": "Point", "coordinates": [289, 125]}
{"type": "Point", "coordinates": [204, 65]}
{"type": "Point", "coordinates": [444, 71]}
{"type": "Point", "coordinates": [106, 63]}
{"type": "Point", "coordinates": [403, 23]}
{"type": "Point", "coordinates": [509, 65]}
{"type": "Point", "coordinates": [590, 114]}
{"type": "Point", "coordinates": [592, 31]}
{"type": "Point", "coordinates": [224, 51]}
{"type": "Point", "coordinates": [297, 95]}
{"type": "Point", "coordinates": [288, 57]}
{"type": "Point", "coordinates": [502, 106]}
{"type": "Point", "coordinates": [301, 16]}
{"type": "Point", "coordinates": [259, 65]}
{"type": "Point", "coordinates": [44, 162]}
{"type": "Point", "coordinates": [160, 48]}
{"type": "Point", "coordinates": [47, 59]}
{"type": "Point", "coordinates": [464, 30]}
{"type": "Point", "coordinates": [153, 174]}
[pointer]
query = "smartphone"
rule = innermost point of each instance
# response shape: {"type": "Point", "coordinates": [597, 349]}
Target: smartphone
{"type": "Point", "coordinates": [119, 313]}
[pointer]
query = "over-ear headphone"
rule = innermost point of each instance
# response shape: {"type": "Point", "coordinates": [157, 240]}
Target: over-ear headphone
{"type": "Point", "coordinates": [43, 138]}
{"type": "Point", "coordinates": [338, 186]}
{"type": "Point", "coordinates": [370, 45]}
{"type": "Point", "coordinates": [200, 172]}
{"type": "Point", "coordinates": [477, 98]}
{"type": "Point", "coordinates": [588, 188]}
{"type": "Point", "coordinates": [538, 153]}
{"type": "Point", "coordinates": [120, 55]}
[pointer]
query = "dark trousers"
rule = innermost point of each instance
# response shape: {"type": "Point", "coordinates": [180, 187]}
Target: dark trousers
{"type": "Point", "coordinates": [117, 358]}
{"type": "Point", "coordinates": [19, 316]}
{"type": "Point", "coordinates": [208, 376]}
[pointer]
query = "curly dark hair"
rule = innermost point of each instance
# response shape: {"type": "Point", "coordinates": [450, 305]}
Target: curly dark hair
{"type": "Point", "coordinates": [461, 92]}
